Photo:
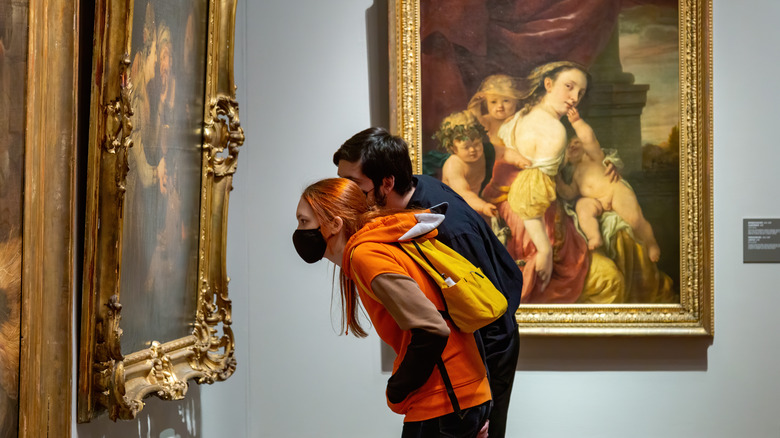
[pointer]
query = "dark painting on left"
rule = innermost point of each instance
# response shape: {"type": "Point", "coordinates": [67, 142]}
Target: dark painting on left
{"type": "Point", "coordinates": [13, 63]}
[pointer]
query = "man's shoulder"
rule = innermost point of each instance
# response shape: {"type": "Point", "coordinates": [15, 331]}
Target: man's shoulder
{"type": "Point", "coordinates": [460, 218]}
{"type": "Point", "coordinates": [431, 191]}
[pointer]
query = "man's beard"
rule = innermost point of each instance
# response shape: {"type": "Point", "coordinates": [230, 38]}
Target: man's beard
{"type": "Point", "coordinates": [379, 198]}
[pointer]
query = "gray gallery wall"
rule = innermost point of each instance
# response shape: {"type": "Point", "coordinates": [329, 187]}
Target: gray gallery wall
{"type": "Point", "coordinates": [310, 74]}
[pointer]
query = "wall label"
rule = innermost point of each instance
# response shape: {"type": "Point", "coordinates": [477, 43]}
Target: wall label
{"type": "Point", "coordinates": [761, 240]}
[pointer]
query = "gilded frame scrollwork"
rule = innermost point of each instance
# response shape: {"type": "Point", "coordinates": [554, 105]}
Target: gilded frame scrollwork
{"type": "Point", "coordinates": [693, 315]}
{"type": "Point", "coordinates": [110, 381]}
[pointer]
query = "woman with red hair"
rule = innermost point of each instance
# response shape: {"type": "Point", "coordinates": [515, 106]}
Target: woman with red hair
{"type": "Point", "coordinates": [403, 303]}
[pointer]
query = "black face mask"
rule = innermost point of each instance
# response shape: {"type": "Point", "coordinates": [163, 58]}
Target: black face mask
{"type": "Point", "coordinates": [310, 244]}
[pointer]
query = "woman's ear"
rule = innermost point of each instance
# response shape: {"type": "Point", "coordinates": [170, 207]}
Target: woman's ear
{"type": "Point", "coordinates": [548, 83]}
{"type": "Point", "coordinates": [336, 225]}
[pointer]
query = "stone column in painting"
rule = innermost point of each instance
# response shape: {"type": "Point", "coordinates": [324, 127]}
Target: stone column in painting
{"type": "Point", "coordinates": [614, 106]}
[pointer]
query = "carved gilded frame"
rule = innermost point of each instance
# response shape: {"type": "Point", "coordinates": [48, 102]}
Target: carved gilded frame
{"type": "Point", "coordinates": [694, 314]}
{"type": "Point", "coordinates": [108, 380]}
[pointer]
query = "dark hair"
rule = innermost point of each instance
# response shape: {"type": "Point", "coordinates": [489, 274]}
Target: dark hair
{"type": "Point", "coordinates": [381, 155]}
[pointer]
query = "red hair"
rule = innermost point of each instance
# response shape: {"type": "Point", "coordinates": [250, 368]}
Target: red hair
{"type": "Point", "coordinates": [340, 197]}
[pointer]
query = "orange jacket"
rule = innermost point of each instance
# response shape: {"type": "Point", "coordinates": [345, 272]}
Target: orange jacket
{"type": "Point", "coordinates": [370, 252]}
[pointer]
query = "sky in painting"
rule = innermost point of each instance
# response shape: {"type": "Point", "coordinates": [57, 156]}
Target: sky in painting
{"type": "Point", "coordinates": [649, 50]}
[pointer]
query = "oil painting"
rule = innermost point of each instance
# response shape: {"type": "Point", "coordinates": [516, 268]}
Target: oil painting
{"type": "Point", "coordinates": [13, 68]}
{"type": "Point", "coordinates": [560, 123]}
{"type": "Point", "coordinates": [164, 140]}
{"type": "Point", "coordinates": [159, 260]}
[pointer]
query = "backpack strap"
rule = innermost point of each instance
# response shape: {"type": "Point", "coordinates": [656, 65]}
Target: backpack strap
{"type": "Point", "coordinates": [450, 390]}
{"type": "Point", "coordinates": [445, 377]}
{"type": "Point", "coordinates": [446, 312]}
{"type": "Point", "coordinates": [422, 254]}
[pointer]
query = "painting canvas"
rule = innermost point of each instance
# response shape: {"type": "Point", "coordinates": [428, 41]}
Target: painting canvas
{"type": "Point", "coordinates": [13, 68]}
{"type": "Point", "coordinates": [160, 242]}
{"type": "Point", "coordinates": [470, 94]}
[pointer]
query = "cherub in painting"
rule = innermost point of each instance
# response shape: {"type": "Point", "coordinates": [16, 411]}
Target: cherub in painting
{"type": "Point", "coordinates": [464, 171]}
{"type": "Point", "coordinates": [599, 193]}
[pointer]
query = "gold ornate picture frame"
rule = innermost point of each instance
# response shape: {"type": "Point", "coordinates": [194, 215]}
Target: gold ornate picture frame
{"type": "Point", "coordinates": [164, 138]}
{"type": "Point", "coordinates": [440, 53]}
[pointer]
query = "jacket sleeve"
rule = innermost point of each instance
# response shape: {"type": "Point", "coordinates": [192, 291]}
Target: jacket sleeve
{"type": "Point", "coordinates": [413, 311]}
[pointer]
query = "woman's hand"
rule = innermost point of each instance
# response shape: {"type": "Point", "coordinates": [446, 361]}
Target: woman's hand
{"type": "Point", "coordinates": [516, 159]}
{"type": "Point", "coordinates": [573, 115]}
{"type": "Point", "coordinates": [544, 268]}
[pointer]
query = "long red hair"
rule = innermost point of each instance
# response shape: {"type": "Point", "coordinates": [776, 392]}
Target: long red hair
{"type": "Point", "coordinates": [339, 197]}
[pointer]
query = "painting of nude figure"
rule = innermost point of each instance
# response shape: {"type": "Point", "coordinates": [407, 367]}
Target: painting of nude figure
{"type": "Point", "coordinates": [558, 121]}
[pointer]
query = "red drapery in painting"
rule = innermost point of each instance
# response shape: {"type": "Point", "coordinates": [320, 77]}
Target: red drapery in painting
{"type": "Point", "coordinates": [463, 41]}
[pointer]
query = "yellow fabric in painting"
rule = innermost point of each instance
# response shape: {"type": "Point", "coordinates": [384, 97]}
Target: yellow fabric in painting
{"type": "Point", "coordinates": [531, 193]}
{"type": "Point", "coordinates": [500, 198]}
{"type": "Point", "coordinates": [603, 284]}
{"type": "Point", "coordinates": [645, 283]}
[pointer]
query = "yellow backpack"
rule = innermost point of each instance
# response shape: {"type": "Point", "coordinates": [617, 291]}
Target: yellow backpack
{"type": "Point", "coordinates": [470, 298]}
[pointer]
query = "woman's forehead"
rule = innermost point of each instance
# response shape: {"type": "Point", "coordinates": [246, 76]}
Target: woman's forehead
{"type": "Point", "coordinates": [574, 74]}
{"type": "Point", "coordinates": [304, 210]}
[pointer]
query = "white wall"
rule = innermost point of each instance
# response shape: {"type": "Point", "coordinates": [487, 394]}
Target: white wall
{"type": "Point", "coordinates": [314, 76]}
{"type": "Point", "coordinates": [307, 92]}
